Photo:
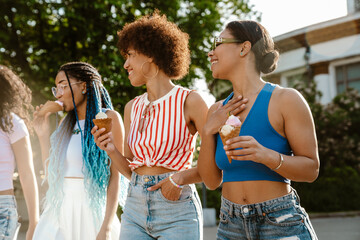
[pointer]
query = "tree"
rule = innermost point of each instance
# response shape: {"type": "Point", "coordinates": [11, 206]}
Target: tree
{"type": "Point", "coordinates": [37, 36]}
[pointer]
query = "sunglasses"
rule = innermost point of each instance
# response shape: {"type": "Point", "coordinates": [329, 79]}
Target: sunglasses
{"type": "Point", "coordinates": [60, 88]}
{"type": "Point", "coordinates": [218, 41]}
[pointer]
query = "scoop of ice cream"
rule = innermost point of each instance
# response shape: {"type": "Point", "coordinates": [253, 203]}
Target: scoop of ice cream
{"type": "Point", "coordinates": [101, 115]}
{"type": "Point", "coordinates": [226, 129]}
{"type": "Point", "coordinates": [60, 103]}
{"type": "Point", "coordinates": [233, 121]}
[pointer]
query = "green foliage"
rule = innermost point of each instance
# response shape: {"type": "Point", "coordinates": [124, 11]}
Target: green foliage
{"type": "Point", "coordinates": [337, 127]}
{"type": "Point", "coordinates": [37, 36]}
{"type": "Point", "coordinates": [336, 189]}
{"type": "Point", "coordinates": [213, 197]}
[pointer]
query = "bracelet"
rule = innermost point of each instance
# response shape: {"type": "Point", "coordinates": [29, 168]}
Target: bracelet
{"type": "Point", "coordinates": [281, 162]}
{"type": "Point", "coordinates": [174, 183]}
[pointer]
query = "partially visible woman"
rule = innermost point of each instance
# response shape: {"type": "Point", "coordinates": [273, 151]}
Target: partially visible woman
{"type": "Point", "coordinates": [277, 142]}
{"type": "Point", "coordinates": [15, 149]}
{"type": "Point", "coordinates": [81, 201]}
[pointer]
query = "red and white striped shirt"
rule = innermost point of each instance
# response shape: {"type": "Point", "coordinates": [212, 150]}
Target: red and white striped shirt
{"type": "Point", "coordinates": [165, 140]}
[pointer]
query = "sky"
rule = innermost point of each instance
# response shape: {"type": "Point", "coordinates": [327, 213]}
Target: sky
{"type": "Point", "coordinates": [282, 16]}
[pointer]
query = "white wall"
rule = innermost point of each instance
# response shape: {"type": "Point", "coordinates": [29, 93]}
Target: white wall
{"type": "Point", "coordinates": [338, 52]}
{"type": "Point", "coordinates": [322, 52]}
{"type": "Point", "coordinates": [322, 81]}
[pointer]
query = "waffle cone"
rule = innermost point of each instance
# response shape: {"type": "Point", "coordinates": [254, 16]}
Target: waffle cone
{"type": "Point", "coordinates": [103, 123]}
{"type": "Point", "coordinates": [50, 106]}
{"type": "Point", "coordinates": [234, 133]}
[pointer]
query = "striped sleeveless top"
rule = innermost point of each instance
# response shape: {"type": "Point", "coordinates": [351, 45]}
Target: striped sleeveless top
{"type": "Point", "coordinates": [158, 133]}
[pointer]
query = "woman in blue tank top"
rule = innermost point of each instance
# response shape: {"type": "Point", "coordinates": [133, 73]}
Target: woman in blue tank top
{"type": "Point", "coordinates": [277, 142]}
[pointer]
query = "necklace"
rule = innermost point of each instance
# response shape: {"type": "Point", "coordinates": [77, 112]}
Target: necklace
{"type": "Point", "coordinates": [257, 91]}
{"type": "Point", "coordinates": [79, 130]}
{"type": "Point", "coordinates": [76, 131]}
{"type": "Point", "coordinates": [144, 117]}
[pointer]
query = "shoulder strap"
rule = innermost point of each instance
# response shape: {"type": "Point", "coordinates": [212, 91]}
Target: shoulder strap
{"type": "Point", "coordinates": [263, 100]}
{"type": "Point", "coordinates": [228, 98]}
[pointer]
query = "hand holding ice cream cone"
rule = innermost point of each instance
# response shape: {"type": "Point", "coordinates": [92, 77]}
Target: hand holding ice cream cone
{"type": "Point", "coordinates": [102, 121]}
{"type": "Point", "coordinates": [50, 106]}
{"type": "Point", "coordinates": [230, 130]}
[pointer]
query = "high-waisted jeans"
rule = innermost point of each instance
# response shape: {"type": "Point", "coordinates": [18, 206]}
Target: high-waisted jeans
{"type": "Point", "coordinates": [149, 215]}
{"type": "Point", "coordinates": [280, 218]}
{"type": "Point", "coordinates": [8, 217]}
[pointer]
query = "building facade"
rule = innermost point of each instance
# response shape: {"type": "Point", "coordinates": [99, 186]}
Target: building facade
{"type": "Point", "coordinates": [328, 52]}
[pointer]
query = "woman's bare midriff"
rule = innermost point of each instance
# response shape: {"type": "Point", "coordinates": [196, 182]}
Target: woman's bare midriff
{"type": "Point", "coordinates": [251, 192]}
{"type": "Point", "coordinates": [7, 192]}
{"type": "Point", "coordinates": [144, 170]}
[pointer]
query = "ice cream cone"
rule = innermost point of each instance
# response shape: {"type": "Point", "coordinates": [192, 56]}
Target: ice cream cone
{"type": "Point", "coordinates": [234, 133]}
{"type": "Point", "coordinates": [50, 106]}
{"type": "Point", "coordinates": [103, 123]}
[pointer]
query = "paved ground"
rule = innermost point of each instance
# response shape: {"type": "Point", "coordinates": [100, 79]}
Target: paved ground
{"type": "Point", "coordinates": [327, 228]}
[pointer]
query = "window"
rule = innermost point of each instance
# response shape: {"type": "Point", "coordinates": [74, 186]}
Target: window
{"type": "Point", "coordinates": [348, 76]}
{"type": "Point", "coordinates": [294, 79]}
{"type": "Point", "coordinates": [357, 5]}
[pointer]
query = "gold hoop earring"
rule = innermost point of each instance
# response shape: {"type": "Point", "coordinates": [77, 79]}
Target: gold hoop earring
{"type": "Point", "coordinates": [142, 71]}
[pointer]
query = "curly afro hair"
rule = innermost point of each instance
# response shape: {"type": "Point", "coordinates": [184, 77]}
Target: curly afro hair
{"type": "Point", "coordinates": [157, 38]}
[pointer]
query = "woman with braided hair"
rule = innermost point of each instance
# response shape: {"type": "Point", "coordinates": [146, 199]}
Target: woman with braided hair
{"type": "Point", "coordinates": [81, 201]}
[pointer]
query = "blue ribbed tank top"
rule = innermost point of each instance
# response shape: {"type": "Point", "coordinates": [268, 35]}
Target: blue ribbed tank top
{"type": "Point", "coordinates": [257, 125]}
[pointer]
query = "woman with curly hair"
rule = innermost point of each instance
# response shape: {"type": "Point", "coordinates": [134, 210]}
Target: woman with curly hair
{"type": "Point", "coordinates": [15, 107]}
{"type": "Point", "coordinates": [161, 126]}
{"type": "Point", "coordinates": [81, 201]}
{"type": "Point", "coordinates": [276, 144]}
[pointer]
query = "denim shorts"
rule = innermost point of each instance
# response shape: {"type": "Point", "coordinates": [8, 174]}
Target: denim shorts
{"type": "Point", "coordinates": [280, 218]}
{"type": "Point", "coordinates": [8, 217]}
{"type": "Point", "coordinates": [149, 215]}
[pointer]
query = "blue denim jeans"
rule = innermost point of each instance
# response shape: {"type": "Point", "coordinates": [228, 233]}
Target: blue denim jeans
{"type": "Point", "coordinates": [149, 215]}
{"type": "Point", "coordinates": [8, 217]}
{"type": "Point", "coordinates": [280, 218]}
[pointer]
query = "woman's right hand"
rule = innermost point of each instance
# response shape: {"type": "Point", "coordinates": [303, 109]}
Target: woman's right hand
{"type": "Point", "coordinates": [217, 117]}
{"type": "Point", "coordinates": [41, 124]}
{"type": "Point", "coordinates": [105, 141]}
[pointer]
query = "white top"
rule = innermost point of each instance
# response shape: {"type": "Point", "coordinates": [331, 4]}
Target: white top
{"type": "Point", "coordinates": [74, 160]}
{"type": "Point", "coordinates": [7, 157]}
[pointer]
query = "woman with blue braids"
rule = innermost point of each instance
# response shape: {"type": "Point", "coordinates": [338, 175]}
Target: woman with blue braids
{"type": "Point", "coordinates": [81, 201]}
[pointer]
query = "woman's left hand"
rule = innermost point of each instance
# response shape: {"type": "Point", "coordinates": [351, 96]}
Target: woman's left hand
{"type": "Point", "coordinates": [250, 149]}
{"type": "Point", "coordinates": [168, 190]}
{"type": "Point", "coordinates": [104, 234]}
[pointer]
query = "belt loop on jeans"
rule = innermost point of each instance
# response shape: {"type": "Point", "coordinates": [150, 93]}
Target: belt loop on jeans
{"type": "Point", "coordinates": [259, 211]}
{"type": "Point", "coordinates": [296, 194]}
{"type": "Point", "coordinates": [231, 210]}
{"type": "Point", "coordinates": [134, 178]}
